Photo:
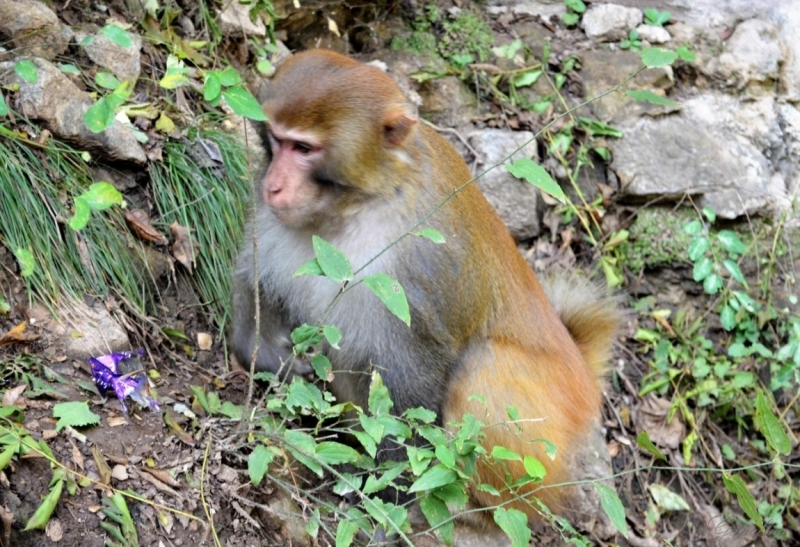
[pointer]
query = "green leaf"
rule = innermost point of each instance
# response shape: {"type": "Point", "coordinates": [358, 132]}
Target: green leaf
{"type": "Point", "coordinates": [503, 453]}
{"type": "Point", "coordinates": [74, 414]}
{"type": "Point", "coordinates": [333, 453]}
{"type": "Point", "coordinates": [654, 57]}
{"type": "Point", "coordinates": [693, 227]}
{"type": "Point", "coordinates": [686, 54]}
{"type": "Point", "coordinates": [527, 78]}
{"type": "Point", "coordinates": [310, 267]}
{"type": "Point", "coordinates": [332, 334]}
{"type": "Point", "coordinates": [264, 66]}
{"type": "Point", "coordinates": [645, 96]}
{"type": "Point", "coordinates": [515, 524]}
{"type": "Point", "coordinates": [575, 5]}
{"type": "Point", "coordinates": [644, 442]}
{"type": "Point", "coordinates": [747, 301]}
{"type": "Point", "coordinates": [229, 77]}
{"type": "Point", "coordinates": [526, 168]}
{"type": "Point", "coordinates": [258, 463]}
{"type": "Point", "coordinates": [698, 247]}
{"type": "Point", "coordinates": [534, 468]}
{"type": "Point", "coordinates": [82, 213]}
{"type": "Point", "coordinates": [42, 515]}
{"type": "Point", "coordinates": [712, 284]}
{"type": "Point", "coordinates": [334, 265]}
{"type": "Point", "coordinates": [106, 80]}
{"type": "Point", "coordinates": [436, 513]}
{"type": "Point", "coordinates": [117, 34]}
{"type": "Point", "coordinates": [655, 17]}
{"type": "Point", "coordinates": [731, 242]}
{"type": "Point", "coordinates": [322, 366]}
{"type": "Point", "coordinates": [69, 69]}
{"type": "Point", "coordinates": [302, 446]}
{"type": "Point", "coordinates": [736, 486]}
{"type": "Point", "coordinates": [570, 19]}
{"type": "Point", "coordinates": [345, 532]}
{"type": "Point", "coordinates": [392, 295]}
{"type": "Point", "coordinates": [733, 269]}
{"type": "Point", "coordinates": [212, 87]}
{"type": "Point", "coordinates": [99, 116]}
{"type": "Point", "coordinates": [305, 336]}
{"type": "Point", "coordinates": [26, 261]}
{"type": "Point", "coordinates": [666, 499]}
{"type": "Point", "coordinates": [770, 427]}
{"type": "Point", "coordinates": [3, 106]}
{"type": "Point", "coordinates": [243, 103]}
{"type": "Point", "coordinates": [431, 234]}
{"type": "Point", "coordinates": [702, 269]}
{"type": "Point", "coordinates": [709, 213]}
{"type": "Point", "coordinates": [436, 476]}
{"type": "Point", "coordinates": [727, 318]}
{"type": "Point", "coordinates": [102, 195]}
{"type": "Point", "coordinates": [612, 505]}
{"type": "Point", "coordinates": [26, 70]}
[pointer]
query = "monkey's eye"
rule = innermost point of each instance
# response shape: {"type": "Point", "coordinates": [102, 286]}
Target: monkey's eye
{"type": "Point", "coordinates": [302, 148]}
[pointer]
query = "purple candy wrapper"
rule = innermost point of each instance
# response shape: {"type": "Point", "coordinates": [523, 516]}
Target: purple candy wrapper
{"type": "Point", "coordinates": [113, 372]}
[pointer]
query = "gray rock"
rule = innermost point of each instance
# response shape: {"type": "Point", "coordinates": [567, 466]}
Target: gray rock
{"type": "Point", "coordinates": [603, 69]}
{"type": "Point", "coordinates": [704, 152]}
{"type": "Point", "coordinates": [789, 18]}
{"type": "Point", "coordinates": [653, 34]}
{"type": "Point", "coordinates": [99, 332]}
{"type": "Point", "coordinates": [752, 54]}
{"type": "Point", "coordinates": [545, 10]}
{"type": "Point", "coordinates": [789, 117]}
{"type": "Point", "coordinates": [56, 101]}
{"type": "Point", "coordinates": [234, 19]}
{"type": "Point", "coordinates": [515, 200]}
{"type": "Point", "coordinates": [123, 62]}
{"type": "Point", "coordinates": [33, 28]}
{"type": "Point", "coordinates": [448, 101]}
{"type": "Point", "coordinates": [610, 22]}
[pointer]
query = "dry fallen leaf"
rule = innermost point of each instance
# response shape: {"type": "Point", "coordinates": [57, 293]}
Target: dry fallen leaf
{"type": "Point", "coordinates": [185, 247]}
{"type": "Point", "coordinates": [102, 466]}
{"type": "Point", "coordinates": [54, 530]}
{"type": "Point", "coordinates": [120, 473]}
{"type": "Point", "coordinates": [652, 417]}
{"type": "Point", "coordinates": [14, 396]}
{"type": "Point", "coordinates": [139, 223]}
{"type": "Point", "coordinates": [18, 335]}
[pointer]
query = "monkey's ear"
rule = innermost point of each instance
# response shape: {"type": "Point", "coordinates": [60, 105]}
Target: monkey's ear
{"type": "Point", "coordinates": [396, 127]}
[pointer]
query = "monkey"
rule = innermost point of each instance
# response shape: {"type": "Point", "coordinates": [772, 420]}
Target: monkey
{"type": "Point", "coordinates": [349, 162]}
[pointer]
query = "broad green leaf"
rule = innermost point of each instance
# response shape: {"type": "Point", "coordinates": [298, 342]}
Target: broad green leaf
{"type": "Point", "coordinates": [26, 261]}
{"type": "Point", "coordinates": [264, 67]}
{"type": "Point", "coordinates": [731, 242]}
{"type": "Point", "coordinates": [570, 19]}
{"type": "Point", "coordinates": [727, 318]}
{"type": "Point", "coordinates": [747, 301]}
{"type": "Point", "coordinates": [258, 463]}
{"type": "Point", "coordinates": [302, 446]}
{"type": "Point", "coordinates": [334, 265]}
{"type": "Point", "coordinates": [26, 70]}
{"type": "Point", "coordinates": [613, 507]}
{"type": "Point", "coordinates": [345, 532]}
{"type": "Point", "coordinates": [515, 524]}
{"type": "Point", "coordinates": [503, 453]}
{"type": "Point", "coordinates": [436, 512]}
{"type": "Point", "coordinates": [709, 213]}
{"type": "Point", "coordinates": [376, 485]}
{"type": "Point", "coordinates": [212, 87]}
{"type": "Point", "coordinates": [575, 5]}
{"type": "Point", "coordinates": [656, 17]}
{"type": "Point", "coordinates": [686, 54]}
{"type": "Point", "coordinates": [99, 116]}
{"type": "Point", "coordinates": [645, 96]}
{"type": "Point", "coordinates": [305, 336]}
{"type": "Point", "coordinates": [698, 247]}
{"type": "Point", "coordinates": [712, 284]}
{"type": "Point", "coordinates": [106, 80]}
{"type": "Point", "coordinates": [175, 76]}
{"type": "Point", "coordinates": [667, 499]}
{"type": "Point", "coordinates": [82, 213]}
{"type": "Point", "coordinates": [534, 468]}
{"type": "Point", "coordinates": [229, 77]}
{"type": "Point", "coordinates": [693, 227]}
{"type": "Point", "coordinates": [102, 195]}
{"type": "Point", "coordinates": [654, 57]}
{"type": "Point", "coordinates": [334, 453]}
{"type": "Point", "coordinates": [527, 78]}
{"type": "Point", "coordinates": [117, 34]}
{"type": "Point", "coordinates": [310, 267]}
{"type": "Point", "coordinates": [445, 456]}
{"type": "Point", "coordinates": [702, 269]}
{"type": "Point", "coordinates": [733, 269]}
{"type": "Point", "coordinates": [3, 106]}
{"type": "Point", "coordinates": [243, 103]}
{"type": "Point", "coordinates": [436, 476]}
{"type": "Point", "coordinates": [526, 168]}
{"type": "Point", "coordinates": [42, 515]}
{"type": "Point", "coordinates": [644, 442]}
{"type": "Point", "coordinates": [69, 69]}
{"type": "Point", "coordinates": [431, 234]}
{"type": "Point", "coordinates": [322, 366]}
{"type": "Point", "coordinates": [770, 427]}
{"type": "Point", "coordinates": [392, 295]}
{"type": "Point", "coordinates": [74, 414]}
{"type": "Point", "coordinates": [332, 334]}
{"type": "Point", "coordinates": [736, 486]}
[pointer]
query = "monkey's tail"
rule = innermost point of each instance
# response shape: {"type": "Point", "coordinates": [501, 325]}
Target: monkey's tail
{"type": "Point", "coordinates": [591, 316]}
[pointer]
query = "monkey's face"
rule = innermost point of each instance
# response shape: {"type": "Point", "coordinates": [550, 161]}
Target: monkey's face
{"type": "Point", "coordinates": [292, 187]}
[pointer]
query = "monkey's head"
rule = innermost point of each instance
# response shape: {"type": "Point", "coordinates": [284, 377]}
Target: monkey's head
{"type": "Point", "coordinates": [335, 129]}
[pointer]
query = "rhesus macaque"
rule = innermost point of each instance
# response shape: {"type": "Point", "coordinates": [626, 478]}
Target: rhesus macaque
{"type": "Point", "coordinates": [350, 163]}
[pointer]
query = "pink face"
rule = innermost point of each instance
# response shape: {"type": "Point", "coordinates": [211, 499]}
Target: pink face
{"type": "Point", "coordinates": [288, 187]}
